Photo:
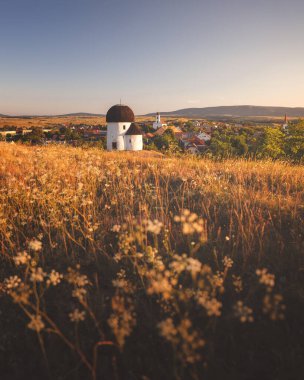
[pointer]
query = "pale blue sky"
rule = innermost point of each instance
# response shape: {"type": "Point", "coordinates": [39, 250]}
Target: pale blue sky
{"type": "Point", "coordinates": [62, 56]}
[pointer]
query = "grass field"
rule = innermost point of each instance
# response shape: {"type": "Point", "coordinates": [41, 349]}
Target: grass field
{"type": "Point", "coordinates": [126, 266]}
{"type": "Point", "coordinates": [41, 121]}
{"type": "Point", "coordinates": [31, 122]}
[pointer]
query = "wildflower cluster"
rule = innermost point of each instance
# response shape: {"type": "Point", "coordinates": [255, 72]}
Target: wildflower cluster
{"type": "Point", "coordinates": [54, 278]}
{"type": "Point", "coordinates": [161, 284]}
{"type": "Point", "coordinates": [266, 278]}
{"type": "Point", "coordinates": [21, 294]}
{"type": "Point", "coordinates": [228, 262]}
{"type": "Point", "coordinates": [79, 282]}
{"type": "Point", "coordinates": [191, 223]}
{"type": "Point", "coordinates": [36, 323]}
{"type": "Point", "coordinates": [211, 304]}
{"type": "Point", "coordinates": [35, 245]}
{"type": "Point", "coordinates": [273, 306]}
{"type": "Point", "coordinates": [272, 302]}
{"type": "Point", "coordinates": [12, 282]}
{"type": "Point", "coordinates": [123, 317]}
{"type": "Point", "coordinates": [184, 338]}
{"type": "Point", "coordinates": [153, 226]}
{"type": "Point", "coordinates": [184, 263]}
{"type": "Point", "coordinates": [243, 313]}
{"type": "Point", "coordinates": [77, 315]}
{"type": "Point", "coordinates": [37, 274]}
{"type": "Point", "coordinates": [22, 258]}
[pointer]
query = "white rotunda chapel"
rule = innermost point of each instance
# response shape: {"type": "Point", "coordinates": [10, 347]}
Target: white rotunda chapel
{"type": "Point", "coordinates": [122, 132]}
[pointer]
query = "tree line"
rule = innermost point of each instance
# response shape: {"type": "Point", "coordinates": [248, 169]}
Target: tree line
{"type": "Point", "coordinates": [267, 142]}
{"type": "Point", "coordinates": [258, 142]}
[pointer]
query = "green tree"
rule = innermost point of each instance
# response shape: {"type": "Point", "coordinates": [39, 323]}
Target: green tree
{"type": "Point", "coordinates": [239, 145]}
{"type": "Point", "coordinates": [220, 145]}
{"type": "Point", "coordinates": [294, 142]}
{"type": "Point", "coordinates": [8, 137]}
{"type": "Point", "coordinates": [271, 143]}
{"type": "Point", "coordinates": [167, 142]}
{"type": "Point", "coordinates": [70, 134]}
{"type": "Point", "coordinates": [34, 137]}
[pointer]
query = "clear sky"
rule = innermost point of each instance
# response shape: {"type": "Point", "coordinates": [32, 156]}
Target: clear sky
{"type": "Point", "coordinates": [62, 56]}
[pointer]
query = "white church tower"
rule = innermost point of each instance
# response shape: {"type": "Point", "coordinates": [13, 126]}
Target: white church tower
{"type": "Point", "coordinates": [122, 132]}
{"type": "Point", "coordinates": [158, 124]}
{"type": "Point", "coordinates": [285, 125]}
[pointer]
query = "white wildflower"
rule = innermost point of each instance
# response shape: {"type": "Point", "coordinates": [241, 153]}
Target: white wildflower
{"type": "Point", "coordinates": [77, 315]}
{"type": "Point", "coordinates": [36, 323]}
{"type": "Point", "coordinates": [35, 245]}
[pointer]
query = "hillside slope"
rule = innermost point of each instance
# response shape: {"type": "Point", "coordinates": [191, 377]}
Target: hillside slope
{"type": "Point", "coordinates": [237, 111]}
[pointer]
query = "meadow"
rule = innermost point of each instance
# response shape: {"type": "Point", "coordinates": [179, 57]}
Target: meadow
{"type": "Point", "coordinates": [124, 266]}
{"type": "Point", "coordinates": [49, 121]}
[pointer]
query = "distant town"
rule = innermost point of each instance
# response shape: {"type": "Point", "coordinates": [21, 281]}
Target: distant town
{"type": "Point", "coordinates": [174, 135]}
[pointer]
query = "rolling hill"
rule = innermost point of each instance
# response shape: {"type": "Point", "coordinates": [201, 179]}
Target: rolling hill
{"type": "Point", "coordinates": [82, 114]}
{"type": "Point", "coordinates": [243, 111]}
{"type": "Point", "coordinates": [236, 111]}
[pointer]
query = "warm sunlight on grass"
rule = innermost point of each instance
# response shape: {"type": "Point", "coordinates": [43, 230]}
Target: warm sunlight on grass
{"type": "Point", "coordinates": [188, 263]}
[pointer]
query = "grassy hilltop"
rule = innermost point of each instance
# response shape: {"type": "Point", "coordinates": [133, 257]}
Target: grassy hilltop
{"type": "Point", "coordinates": [123, 266]}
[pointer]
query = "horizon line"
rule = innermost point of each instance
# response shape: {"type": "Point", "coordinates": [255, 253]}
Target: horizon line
{"type": "Point", "coordinates": [141, 114]}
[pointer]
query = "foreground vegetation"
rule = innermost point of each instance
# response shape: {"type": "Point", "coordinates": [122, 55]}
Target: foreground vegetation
{"type": "Point", "coordinates": [121, 266]}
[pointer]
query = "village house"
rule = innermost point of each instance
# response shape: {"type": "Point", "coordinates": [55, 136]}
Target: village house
{"type": "Point", "coordinates": [204, 136]}
{"type": "Point", "coordinates": [177, 131]}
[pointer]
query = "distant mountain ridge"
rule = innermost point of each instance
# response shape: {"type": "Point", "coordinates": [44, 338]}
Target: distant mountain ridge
{"type": "Point", "coordinates": [236, 111]}
{"type": "Point", "coordinates": [82, 114]}
{"type": "Point", "coordinates": [204, 112]}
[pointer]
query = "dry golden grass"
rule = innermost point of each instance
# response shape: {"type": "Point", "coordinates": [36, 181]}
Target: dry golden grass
{"type": "Point", "coordinates": [49, 121]}
{"type": "Point", "coordinates": [66, 120]}
{"type": "Point", "coordinates": [246, 189]}
{"type": "Point", "coordinates": [180, 259]}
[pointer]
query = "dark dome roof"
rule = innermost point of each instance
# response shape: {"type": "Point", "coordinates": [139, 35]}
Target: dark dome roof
{"type": "Point", "coordinates": [134, 130]}
{"type": "Point", "coordinates": [119, 114]}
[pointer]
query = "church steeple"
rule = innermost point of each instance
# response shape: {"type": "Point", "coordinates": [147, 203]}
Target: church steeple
{"type": "Point", "coordinates": [158, 124]}
{"type": "Point", "coordinates": [285, 125]}
{"type": "Point", "coordinates": [157, 118]}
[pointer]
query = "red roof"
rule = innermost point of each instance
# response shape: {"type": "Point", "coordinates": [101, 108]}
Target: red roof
{"type": "Point", "coordinates": [195, 140]}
